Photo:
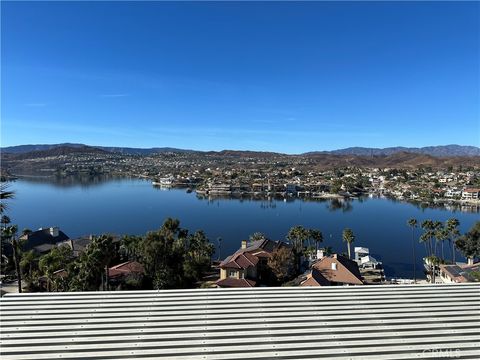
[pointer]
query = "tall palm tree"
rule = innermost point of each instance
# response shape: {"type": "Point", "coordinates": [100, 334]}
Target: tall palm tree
{"type": "Point", "coordinates": [349, 238]}
{"type": "Point", "coordinates": [219, 240]}
{"type": "Point", "coordinates": [413, 225]}
{"type": "Point", "coordinates": [453, 233]}
{"type": "Point", "coordinates": [428, 237]}
{"type": "Point", "coordinates": [437, 234]}
{"type": "Point", "coordinates": [10, 234]}
{"type": "Point", "coordinates": [317, 236]}
{"type": "Point", "coordinates": [441, 234]}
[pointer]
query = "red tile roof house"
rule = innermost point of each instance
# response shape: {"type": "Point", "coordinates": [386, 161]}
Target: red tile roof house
{"type": "Point", "coordinates": [125, 269]}
{"type": "Point", "coordinates": [334, 270]}
{"type": "Point", "coordinates": [244, 267]}
{"type": "Point", "coordinates": [471, 194]}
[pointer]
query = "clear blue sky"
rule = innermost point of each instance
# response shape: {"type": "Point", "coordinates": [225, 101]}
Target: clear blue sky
{"type": "Point", "coordinates": [289, 76]}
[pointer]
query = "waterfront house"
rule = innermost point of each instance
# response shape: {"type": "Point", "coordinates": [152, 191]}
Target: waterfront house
{"type": "Point", "coordinates": [333, 270]}
{"type": "Point", "coordinates": [43, 240]}
{"type": "Point", "coordinates": [246, 267]}
{"type": "Point", "coordinates": [365, 260]}
{"type": "Point", "coordinates": [460, 273]}
{"type": "Point", "coordinates": [220, 189]}
{"type": "Point", "coordinates": [471, 194]}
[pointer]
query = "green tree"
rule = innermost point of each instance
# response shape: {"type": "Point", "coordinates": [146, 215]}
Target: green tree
{"type": "Point", "coordinates": [413, 225]}
{"type": "Point", "coordinates": [469, 243]}
{"type": "Point", "coordinates": [430, 229]}
{"type": "Point", "coordinates": [282, 264]}
{"type": "Point", "coordinates": [257, 236]}
{"type": "Point", "coordinates": [428, 236]}
{"type": "Point", "coordinates": [349, 238]}
{"type": "Point", "coordinates": [59, 258]}
{"type": "Point", "coordinates": [452, 226]}
{"type": "Point", "coordinates": [316, 236]}
{"type": "Point", "coordinates": [89, 269]}
{"type": "Point", "coordinates": [441, 235]}
{"type": "Point", "coordinates": [197, 258]}
{"type": "Point", "coordinates": [28, 265]}
{"type": "Point", "coordinates": [9, 235]}
{"type": "Point", "coordinates": [130, 247]}
{"type": "Point", "coordinates": [5, 194]}
{"type": "Point", "coordinates": [173, 258]}
{"type": "Point", "coordinates": [298, 235]}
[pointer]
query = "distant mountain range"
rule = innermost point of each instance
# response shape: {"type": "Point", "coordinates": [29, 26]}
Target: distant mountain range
{"type": "Point", "coordinates": [437, 151]}
{"type": "Point", "coordinates": [21, 149]}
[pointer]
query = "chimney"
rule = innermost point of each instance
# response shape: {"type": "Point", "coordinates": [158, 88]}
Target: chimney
{"type": "Point", "coordinates": [320, 254]}
{"type": "Point", "coordinates": [334, 266]}
{"type": "Point", "coordinates": [469, 261]}
{"type": "Point", "coordinates": [244, 244]}
{"type": "Point", "coordinates": [54, 231]}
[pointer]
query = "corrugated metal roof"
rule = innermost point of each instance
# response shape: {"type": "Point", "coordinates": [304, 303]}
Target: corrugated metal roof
{"type": "Point", "coordinates": [363, 322]}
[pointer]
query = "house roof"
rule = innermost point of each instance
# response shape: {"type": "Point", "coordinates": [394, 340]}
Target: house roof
{"type": "Point", "coordinates": [41, 237]}
{"type": "Point", "coordinates": [249, 256]}
{"type": "Point", "coordinates": [471, 190]}
{"type": "Point", "coordinates": [239, 260]}
{"type": "Point", "coordinates": [237, 283]}
{"type": "Point", "coordinates": [266, 245]}
{"type": "Point", "coordinates": [43, 248]}
{"type": "Point", "coordinates": [315, 278]}
{"type": "Point", "coordinates": [347, 271]}
{"type": "Point", "coordinates": [460, 274]}
{"type": "Point", "coordinates": [362, 250]}
{"type": "Point", "coordinates": [341, 322]}
{"type": "Point", "coordinates": [126, 268]}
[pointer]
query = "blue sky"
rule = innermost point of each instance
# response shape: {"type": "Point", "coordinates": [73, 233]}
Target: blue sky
{"type": "Point", "coordinates": [288, 76]}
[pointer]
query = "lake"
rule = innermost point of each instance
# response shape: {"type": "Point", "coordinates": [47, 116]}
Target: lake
{"type": "Point", "coordinates": [133, 206]}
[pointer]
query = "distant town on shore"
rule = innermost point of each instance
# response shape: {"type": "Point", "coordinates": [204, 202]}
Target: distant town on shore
{"type": "Point", "coordinates": [417, 176]}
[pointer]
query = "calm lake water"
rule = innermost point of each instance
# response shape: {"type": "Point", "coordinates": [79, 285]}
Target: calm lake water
{"type": "Point", "coordinates": [129, 206]}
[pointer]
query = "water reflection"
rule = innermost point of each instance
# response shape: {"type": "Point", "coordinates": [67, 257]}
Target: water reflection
{"type": "Point", "coordinates": [83, 181]}
{"type": "Point", "coordinates": [344, 205]}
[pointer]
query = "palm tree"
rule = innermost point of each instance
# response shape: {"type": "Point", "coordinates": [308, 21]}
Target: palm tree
{"type": "Point", "coordinates": [437, 234]}
{"type": "Point", "coordinates": [413, 224]}
{"type": "Point", "coordinates": [257, 236]}
{"type": "Point", "coordinates": [430, 229]}
{"type": "Point", "coordinates": [5, 194]}
{"type": "Point", "coordinates": [453, 233]}
{"type": "Point", "coordinates": [27, 264]}
{"type": "Point", "coordinates": [298, 234]}
{"type": "Point", "coordinates": [219, 240]}
{"type": "Point", "coordinates": [349, 238]}
{"type": "Point", "coordinates": [441, 234]}
{"type": "Point", "coordinates": [317, 236]}
{"type": "Point", "coordinates": [5, 220]}
{"type": "Point", "coordinates": [10, 234]}
{"type": "Point", "coordinates": [328, 250]}
{"type": "Point", "coordinates": [427, 236]}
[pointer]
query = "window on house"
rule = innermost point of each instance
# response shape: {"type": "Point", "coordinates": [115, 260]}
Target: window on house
{"type": "Point", "coordinates": [233, 273]}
